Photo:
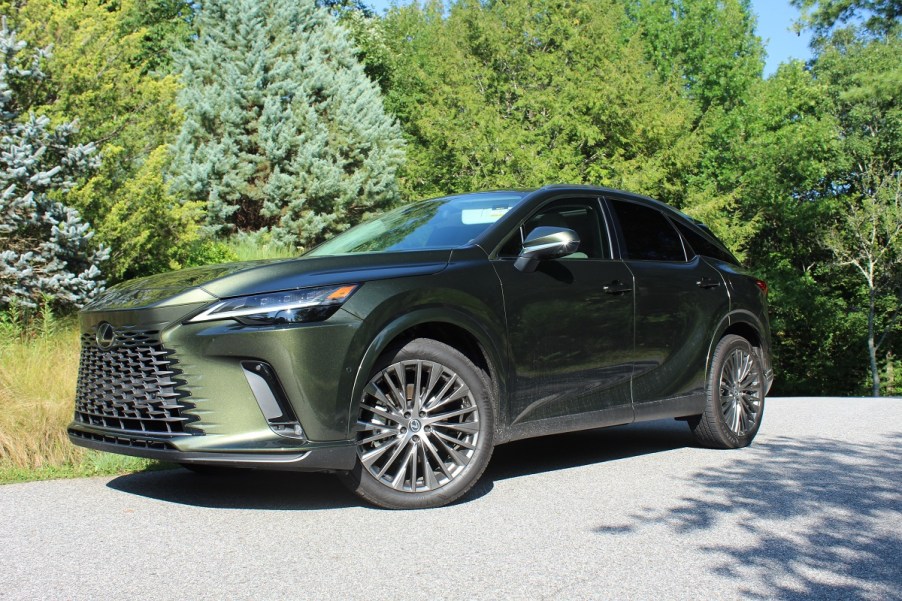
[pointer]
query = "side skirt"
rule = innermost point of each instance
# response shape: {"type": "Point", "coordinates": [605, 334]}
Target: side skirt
{"type": "Point", "coordinates": [615, 416]}
{"type": "Point", "coordinates": [670, 408]}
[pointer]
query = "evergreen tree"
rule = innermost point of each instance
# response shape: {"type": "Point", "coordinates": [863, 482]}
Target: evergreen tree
{"type": "Point", "coordinates": [367, 29]}
{"type": "Point", "coordinates": [709, 44]}
{"type": "Point", "coordinates": [108, 71]}
{"type": "Point", "coordinates": [45, 248]}
{"type": "Point", "coordinates": [283, 130]}
{"type": "Point", "coordinates": [878, 17]}
{"type": "Point", "coordinates": [710, 48]}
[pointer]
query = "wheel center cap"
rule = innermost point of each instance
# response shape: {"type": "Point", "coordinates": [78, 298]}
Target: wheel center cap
{"type": "Point", "coordinates": [415, 425]}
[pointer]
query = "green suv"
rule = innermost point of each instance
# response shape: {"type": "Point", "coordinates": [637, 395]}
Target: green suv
{"type": "Point", "coordinates": [399, 353]}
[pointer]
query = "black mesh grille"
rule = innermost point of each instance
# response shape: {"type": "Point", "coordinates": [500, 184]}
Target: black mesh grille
{"type": "Point", "coordinates": [132, 387]}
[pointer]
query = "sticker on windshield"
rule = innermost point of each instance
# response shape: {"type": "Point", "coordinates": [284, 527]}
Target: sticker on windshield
{"type": "Point", "coordinates": [474, 216]}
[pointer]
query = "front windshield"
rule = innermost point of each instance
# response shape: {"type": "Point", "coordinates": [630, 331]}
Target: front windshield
{"type": "Point", "coordinates": [429, 224]}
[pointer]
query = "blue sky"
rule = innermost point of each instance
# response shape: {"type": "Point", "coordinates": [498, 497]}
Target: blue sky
{"type": "Point", "coordinates": [775, 17]}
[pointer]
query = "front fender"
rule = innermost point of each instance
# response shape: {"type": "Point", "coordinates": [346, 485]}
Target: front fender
{"type": "Point", "coordinates": [479, 319]}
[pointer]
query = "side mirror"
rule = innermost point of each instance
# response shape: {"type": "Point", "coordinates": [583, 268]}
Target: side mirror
{"type": "Point", "coordinates": [546, 243]}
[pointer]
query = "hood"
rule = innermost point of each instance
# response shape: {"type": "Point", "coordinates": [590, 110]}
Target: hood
{"type": "Point", "coordinates": [210, 282]}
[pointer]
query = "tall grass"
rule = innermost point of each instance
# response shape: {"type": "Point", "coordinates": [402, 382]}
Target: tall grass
{"type": "Point", "coordinates": [38, 373]}
{"type": "Point", "coordinates": [254, 246]}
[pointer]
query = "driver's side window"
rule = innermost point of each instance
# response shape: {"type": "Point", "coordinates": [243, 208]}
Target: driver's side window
{"type": "Point", "coordinates": [579, 215]}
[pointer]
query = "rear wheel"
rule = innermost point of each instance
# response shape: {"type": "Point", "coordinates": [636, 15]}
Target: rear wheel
{"type": "Point", "coordinates": [735, 391]}
{"type": "Point", "coordinates": [424, 428]}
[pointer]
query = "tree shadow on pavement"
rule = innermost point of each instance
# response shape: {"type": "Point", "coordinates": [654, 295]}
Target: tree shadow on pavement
{"type": "Point", "coordinates": [817, 518]}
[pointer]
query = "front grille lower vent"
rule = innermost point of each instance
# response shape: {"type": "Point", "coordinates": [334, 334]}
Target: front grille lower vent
{"type": "Point", "coordinates": [130, 441]}
{"type": "Point", "coordinates": [133, 387]}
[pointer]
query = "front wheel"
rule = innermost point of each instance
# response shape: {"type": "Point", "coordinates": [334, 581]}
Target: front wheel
{"type": "Point", "coordinates": [735, 392]}
{"type": "Point", "coordinates": [424, 428]}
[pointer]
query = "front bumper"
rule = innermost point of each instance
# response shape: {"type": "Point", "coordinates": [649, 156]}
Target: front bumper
{"type": "Point", "coordinates": [313, 457]}
{"type": "Point", "coordinates": [180, 392]}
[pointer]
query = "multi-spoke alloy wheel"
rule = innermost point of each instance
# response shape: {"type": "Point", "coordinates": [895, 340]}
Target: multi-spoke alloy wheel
{"type": "Point", "coordinates": [740, 386]}
{"type": "Point", "coordinates": [735, 393]}
{"type": "Point", "coordinates": [424, 427]}
{"type": "Point", "coordinates": [418, 426]}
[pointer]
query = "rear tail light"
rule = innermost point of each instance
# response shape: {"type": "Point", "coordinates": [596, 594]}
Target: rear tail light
{"type": "Point", "coordinates": [763, 285]}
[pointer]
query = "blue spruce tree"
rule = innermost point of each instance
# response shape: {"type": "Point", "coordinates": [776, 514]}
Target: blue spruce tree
{"type": "Point", "coordinates": [45, 247]}
{"type": "Point", "coordinates": [283, 129]}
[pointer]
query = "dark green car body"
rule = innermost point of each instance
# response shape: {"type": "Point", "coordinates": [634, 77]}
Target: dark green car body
{"type": "Point", "coordinates": [575, 344]}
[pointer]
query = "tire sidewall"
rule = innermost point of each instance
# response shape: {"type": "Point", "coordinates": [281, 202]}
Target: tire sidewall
{"type": "Point", "coordinates": [362, 482]}
{"type": "Point", "coordinates": [726, 346]}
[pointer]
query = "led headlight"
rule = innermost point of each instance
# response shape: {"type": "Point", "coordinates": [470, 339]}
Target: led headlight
{"type": "Point", "coordinates": [294, 306]}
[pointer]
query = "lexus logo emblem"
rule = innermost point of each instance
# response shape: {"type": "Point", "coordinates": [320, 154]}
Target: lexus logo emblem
{"type": "Point", "coordinates": [106, 335]}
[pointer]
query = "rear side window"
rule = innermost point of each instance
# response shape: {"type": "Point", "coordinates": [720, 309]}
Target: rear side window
{"type": "Point", "coordinates": [702, 246]}
{"type": "Point", "coordinates": [647, 233]}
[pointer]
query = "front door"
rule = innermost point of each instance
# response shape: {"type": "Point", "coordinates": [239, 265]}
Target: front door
{"type": "Point", "coordinates": [570, 325]}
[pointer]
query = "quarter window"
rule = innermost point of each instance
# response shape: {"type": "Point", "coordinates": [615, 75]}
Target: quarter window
{"type": "Point", "coordinates": [703, 246]}
{"type": "Point", "coordinates": [647, 233]}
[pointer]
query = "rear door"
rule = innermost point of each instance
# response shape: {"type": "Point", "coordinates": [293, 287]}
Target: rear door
{"type": "Point", "coordinates": [680, 299]}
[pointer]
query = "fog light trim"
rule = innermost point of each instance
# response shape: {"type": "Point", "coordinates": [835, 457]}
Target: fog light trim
{"type": "Point", "coordinates": [272, 399]}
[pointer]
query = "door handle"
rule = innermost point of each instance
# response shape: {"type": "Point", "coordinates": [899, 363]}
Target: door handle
{"type": "Point", "coordinates": [707, 283]}
{"type": "Point", "coordinates": [616, 287]}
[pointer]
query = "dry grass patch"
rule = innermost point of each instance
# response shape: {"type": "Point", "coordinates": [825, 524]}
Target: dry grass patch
{"type": "Point", "coordinates": [38, 373]}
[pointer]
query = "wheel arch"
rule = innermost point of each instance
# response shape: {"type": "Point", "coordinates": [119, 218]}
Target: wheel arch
{"type": "Point", "coordinates": [452, 327]}
{"type": "Point", "coordinates": [741, 323]}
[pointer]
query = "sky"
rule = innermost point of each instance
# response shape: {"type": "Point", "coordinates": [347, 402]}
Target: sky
{"type": "Point", "coordinates": [775, 17]}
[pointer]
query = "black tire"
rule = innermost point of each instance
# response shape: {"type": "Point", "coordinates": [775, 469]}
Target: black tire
{"type": "Point", "coordinates": [412, 451]}
{"type": "Point", "coordinates": [735, 397]}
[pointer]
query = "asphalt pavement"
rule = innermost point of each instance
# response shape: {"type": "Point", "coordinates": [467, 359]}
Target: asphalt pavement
{"type": "Point", "coordinates": [812, 510]}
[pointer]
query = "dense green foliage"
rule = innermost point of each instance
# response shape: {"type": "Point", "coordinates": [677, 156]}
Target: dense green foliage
{"type": "Point", "coordinates": [861, 67]}
{"type": "Point", "coordinates": [283, 122]}
{"type": "Point", "coordinates": [46, 250]}
{"type": "Point", "coordinates": [283, 129]}
{"type": "Point", "coordinates": [108, 72]}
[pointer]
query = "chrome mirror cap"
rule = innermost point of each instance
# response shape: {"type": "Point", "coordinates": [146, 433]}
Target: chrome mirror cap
{"type": "Point", "coordinates": [546, 243]}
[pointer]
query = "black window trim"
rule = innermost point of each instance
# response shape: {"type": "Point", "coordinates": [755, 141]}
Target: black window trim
{"type": "Point", "coordinates": [621, 242]}
{"type": "Point", "coordinates": [688, 251]}
{"type": "Point", "coordinates": [613, 250]}
{"type": "Point", "coordinates": [701, 231]}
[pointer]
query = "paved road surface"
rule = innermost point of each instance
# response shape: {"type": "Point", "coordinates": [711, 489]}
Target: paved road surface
{"type": "Point", "coordinates": [812, 510]}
